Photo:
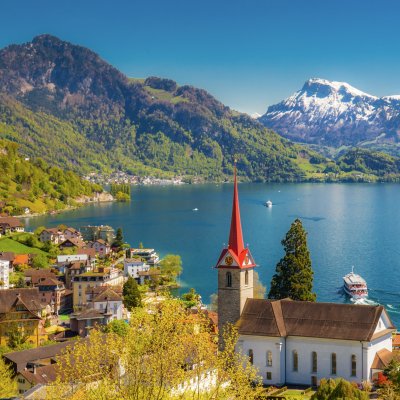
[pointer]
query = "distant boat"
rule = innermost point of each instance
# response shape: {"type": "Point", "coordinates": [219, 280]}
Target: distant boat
{"type": "Point", "coordinates": [195, 209]}
{"type": "Point", "coordinates": [268, 203]}
{"type": "Point", "coordinates": [355, 286]}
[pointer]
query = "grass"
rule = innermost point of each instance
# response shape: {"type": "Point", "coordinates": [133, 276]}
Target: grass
{"type": "Point", "coordinates": [294, 394]}
{"type": "Point", "coordinates": [7, 244]}
{"type": "Point", "coordinates": [164, 95]}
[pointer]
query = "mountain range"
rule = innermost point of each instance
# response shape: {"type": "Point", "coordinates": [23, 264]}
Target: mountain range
{"type": "Point", "coordinates": [64, 103]}
{"type": "Point", "coordinates": [336, 114]}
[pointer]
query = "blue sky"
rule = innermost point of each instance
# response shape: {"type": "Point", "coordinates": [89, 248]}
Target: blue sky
{"type": "Point", "coordinates": [249, 53]}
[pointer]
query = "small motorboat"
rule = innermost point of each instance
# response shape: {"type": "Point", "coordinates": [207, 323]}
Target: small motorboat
{"type": "Point", "coordinates": [195, 209]}
{"type": "Point", "coordinates": [268, 203]}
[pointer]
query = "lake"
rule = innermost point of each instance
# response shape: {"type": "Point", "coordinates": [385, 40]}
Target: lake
{"type": "Point", "coordinates": [347, 224]}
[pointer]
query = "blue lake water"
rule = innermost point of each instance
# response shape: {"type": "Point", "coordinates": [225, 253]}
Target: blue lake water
{"type": "Point", "coordinates": [347, 224]}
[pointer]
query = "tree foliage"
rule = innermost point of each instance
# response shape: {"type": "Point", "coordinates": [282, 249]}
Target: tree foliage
{"type": "Point", "coordinates": [8, 386]}
{"type": "Point", "coordinates": [294, 274]}
{"type": "Point", "coordinates": [171, 267]}
{"type": "Point", "coordinates": [330, 389]}
{"type": "Point", "coordinates": [131, 294]}
{"type": "Point", "coordinates": [167, 353]}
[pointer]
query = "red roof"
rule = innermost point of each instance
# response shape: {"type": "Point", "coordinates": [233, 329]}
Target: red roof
{"type": "Point", "coordinates": [21, 259]}
{"type": "Point", "coordinates": [236, 249]}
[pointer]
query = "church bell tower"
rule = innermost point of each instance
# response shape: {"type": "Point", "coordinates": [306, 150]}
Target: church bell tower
{"type": "Point", "coordinates": [235, 270]}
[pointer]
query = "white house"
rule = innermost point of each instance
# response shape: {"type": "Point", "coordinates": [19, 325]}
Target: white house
{"type": "Point", "coordinates": [4, 274]}
{"type": "Point", "coordinates": [109, 302]}
{"type": "Point", "coordinates": [132, 267]}
{"type": "Point", "coordinates": [101, 247]}
{"type": "Point", "coordinates": [53, 235]}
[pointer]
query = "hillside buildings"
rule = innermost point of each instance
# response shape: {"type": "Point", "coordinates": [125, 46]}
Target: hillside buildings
{"type": "Point", "coordinates": [295, 342]}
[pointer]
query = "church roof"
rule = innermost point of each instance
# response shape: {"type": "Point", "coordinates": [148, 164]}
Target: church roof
{"type": "Point", "coordinates": [239, 256]}
{"type": "Point", "coordinates": [281, 318]}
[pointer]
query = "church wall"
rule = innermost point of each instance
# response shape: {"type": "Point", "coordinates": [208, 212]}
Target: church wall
{"type": "Point", "coordinates": [324, 348]}
{"type": "Point", "coordinates": [260, 346]}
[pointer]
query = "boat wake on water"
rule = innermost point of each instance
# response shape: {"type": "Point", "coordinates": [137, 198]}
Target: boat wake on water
{"type": "Point", "coordinates": [364, 301]}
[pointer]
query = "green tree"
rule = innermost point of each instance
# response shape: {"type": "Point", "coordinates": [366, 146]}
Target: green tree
{"type": "Point", "coordinates": [16, 336]}
{"type": "Point", "coordinates": [40, 261]}
{"type": "Point", "coordinates": [191, 298]}
{"type": "Point", "coordinates": [294, 275]}
{"type": "Point", "coordinates": [131, 294]}
{"type": "Point", "coordinates": [171, 266]}
{"type": "Point", "coordinates": [330, 389]}
{"type": "Point", "coordinates": [119, 239]}
{"type": "Point", "coordinates": [259, 288]}
{"type": "Point", "coordinates": [117, 326]}
{"type": "Point", "coordinates": [8, 386]}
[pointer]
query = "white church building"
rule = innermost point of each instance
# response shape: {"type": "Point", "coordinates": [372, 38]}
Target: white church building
{"type": "Point", "coordinates": [298, 342]}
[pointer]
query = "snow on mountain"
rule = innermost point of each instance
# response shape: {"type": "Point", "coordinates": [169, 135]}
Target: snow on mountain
{"type": "Point", "coordinates": [255, 115]}
{"type": "Point", "coordinates": [333, 113]}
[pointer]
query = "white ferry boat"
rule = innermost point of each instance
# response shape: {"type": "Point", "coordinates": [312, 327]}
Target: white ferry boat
{"type": "Point", "coordinates": [268, 203]}
{"type": "Point", "coordinates": [355, 286]}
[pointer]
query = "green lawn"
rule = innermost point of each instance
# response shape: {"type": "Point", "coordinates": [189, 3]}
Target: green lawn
{"type": "Point", "coordinates": [296, 394]}
{"type": "Point", "coordinates": [7, 244]}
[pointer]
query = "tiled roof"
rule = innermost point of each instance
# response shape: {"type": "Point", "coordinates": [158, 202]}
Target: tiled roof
{"type": "Point", "coordinates": [302, 318]}
{"type": "Point", "coordinates": [44, 375]}
{"type": "Point", "coordinates": [11, 221]}
{"type": "Point", "coordinates": [107, 295]}
{"type": "Point", "coordinates": [29, 297]}
{"type": "Point", "coordinates": [90, 313]}
{"type": "Point", "coordinates": [382, 359]}
{"type": "Point", "coordinates": [7, 255]}
{"type": "Point", "coordinates": [23, 357]}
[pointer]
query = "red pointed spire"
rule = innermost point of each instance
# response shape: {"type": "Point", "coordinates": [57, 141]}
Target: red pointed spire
{"type": "Point", "coordinates": [235, 255]}
{"type": "Point", "coordinates": [236, 236]}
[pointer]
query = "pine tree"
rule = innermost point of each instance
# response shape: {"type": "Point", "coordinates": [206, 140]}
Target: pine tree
{"type": "Point", "coordinates": [294, 275]}
{"type": "Point", "coordinates": [119, 238]}
{"type": "Point", "coordinates": [132, 295]}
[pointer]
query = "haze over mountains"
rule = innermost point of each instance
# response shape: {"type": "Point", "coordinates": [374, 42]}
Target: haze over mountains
{"type": "Point", "coordinates": [334, 114]}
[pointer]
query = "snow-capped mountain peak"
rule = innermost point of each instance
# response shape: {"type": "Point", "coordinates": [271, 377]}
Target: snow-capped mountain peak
{"type": "Point", "coordinates": [333, 113]}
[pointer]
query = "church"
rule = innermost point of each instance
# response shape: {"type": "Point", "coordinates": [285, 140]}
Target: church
{"type": "Point", "coordinates": [297, 342]}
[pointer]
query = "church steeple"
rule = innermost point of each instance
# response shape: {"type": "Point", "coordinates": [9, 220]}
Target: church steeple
{"type": "Point", "coordinates": [235, 255]}
{"type": "Point", "coordinates": [236, 235]}
{"type": "Point", "coordinates": [235, 270]}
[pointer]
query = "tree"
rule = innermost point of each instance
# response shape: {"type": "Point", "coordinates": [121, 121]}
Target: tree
{"type": "Point", "coordinates": [131, 294]}
{"type": "Point", "coordinates": [171, 266]}
{"type": "Point", "coordinates": [8, 386]}
{"type": "Point", "coordinates": [40, 261]}
{"type": "Point", "coordinates": [259, 288]}
{"type": "Point", "coordinates": [16, 336]}
{"type": "Point", "coordinates": [167, 353]}
{"type": "Point", "coordinates": [117, 326]}
{"type": "Point", "coordinates": [294, 275]}
{"type": "Point", "coordinates": [330, 389]}
{"type": "Point", "coordinates": [119, 239]}
{"type": "Point", "coordinates": [191, 298]}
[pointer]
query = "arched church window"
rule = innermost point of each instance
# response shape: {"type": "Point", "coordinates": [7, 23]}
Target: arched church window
{"type": "Point", "coordinates": [269, 358]}
{"type": "Point", "coordinates": [246, 278]}
{"type": "Point", "coordinates": [314, 359]}
{"type": "Point", "coordinates": [295, 360]}
{"type": "Point", "coordinates": [353, 365]}
{"type": "Point", "coordinates": [251, 355]}
{"type": "Point", "coordinates": [229, 279]}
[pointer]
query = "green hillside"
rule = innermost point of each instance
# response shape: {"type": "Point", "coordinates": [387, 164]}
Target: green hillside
{"type": "Point", "coordinates": [35, 184]}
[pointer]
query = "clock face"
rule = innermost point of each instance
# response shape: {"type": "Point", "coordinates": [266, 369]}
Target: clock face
{"type": "Point", "coordinates": [228, 260]}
